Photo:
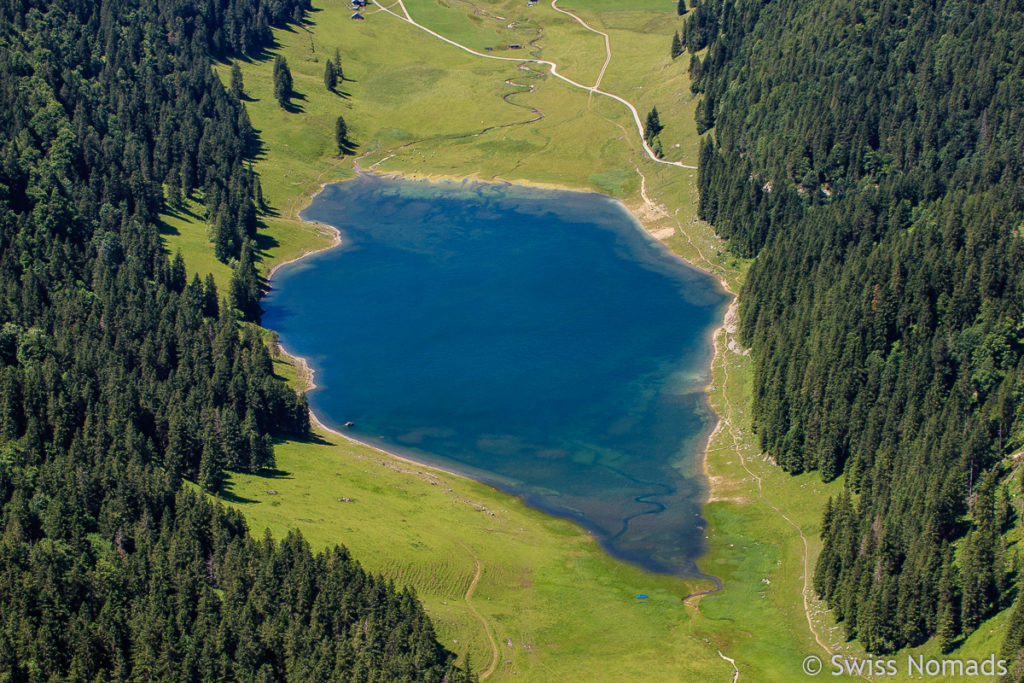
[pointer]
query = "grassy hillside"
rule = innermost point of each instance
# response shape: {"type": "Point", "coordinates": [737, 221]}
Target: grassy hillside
{"type": "Point", "coordinates": [528, 597]}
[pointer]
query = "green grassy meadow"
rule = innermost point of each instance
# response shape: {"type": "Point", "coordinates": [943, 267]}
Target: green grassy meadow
{"type": "Point", "coordinates": [557, 608]}
{"type": "Point", "coordinates": [547, 604]}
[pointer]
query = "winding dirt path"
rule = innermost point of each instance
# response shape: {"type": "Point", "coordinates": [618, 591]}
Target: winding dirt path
{"type": "Point", "coordinates": [735, 676]}
{"type": "Point", "coordinates": [736, 444]}
{"type": "Point", "coordinates": [469, 603]}
{"type": "Point", "coordinates": [554, 72]}
{"type": "Point", "coordinates": [607, 40]}
{"type": "Point", "coordinates": [654, 207]}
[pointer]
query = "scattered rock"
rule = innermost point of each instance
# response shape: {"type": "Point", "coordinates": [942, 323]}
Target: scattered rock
{"type": "Point", "coordinates": [271, 492]}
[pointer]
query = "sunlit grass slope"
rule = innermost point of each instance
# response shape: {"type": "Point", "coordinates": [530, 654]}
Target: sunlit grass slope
{"type": "Point", "coordinates": [557, 608]}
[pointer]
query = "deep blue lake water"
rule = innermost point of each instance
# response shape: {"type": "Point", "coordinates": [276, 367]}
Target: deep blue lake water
{"type": "Point", "coordinates": [535, 339]}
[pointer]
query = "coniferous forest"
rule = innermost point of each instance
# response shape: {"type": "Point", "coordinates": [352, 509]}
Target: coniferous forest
{"type": "Point", "coordinates": [870, 155]}
{"type": "Point", "coordinates": [121, 381]}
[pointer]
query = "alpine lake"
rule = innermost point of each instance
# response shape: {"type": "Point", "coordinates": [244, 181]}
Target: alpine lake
{"type": "Point", "coordinates": [538, 340]}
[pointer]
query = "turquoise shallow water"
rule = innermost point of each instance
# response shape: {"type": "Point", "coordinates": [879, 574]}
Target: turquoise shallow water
{"type": "Point", "coordinates": [534, 339]}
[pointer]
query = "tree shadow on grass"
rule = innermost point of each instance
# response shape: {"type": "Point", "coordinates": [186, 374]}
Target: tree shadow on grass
{"type": "Point", "coordinates": [293, 108]}
{"type": "Point", "coordinates": [166, 229]}
{"type": "Point", "coordinates": [256, 149]}
{"type": "Point", "coordinates": [273, 474]}
{"type": "Point", "coordinates": [264, 53]}
{"type": "Point", "coordinates": [227, 495]}
{"type": "Point", "coordinates": [267, 210]}
{"type": "Point", "coordinates": [175, 211]}
{"type": "Point", "coordinates": [268, 51]}
{"type": "Point", "coordinates": [348, 147]}
{"type": "Point", "coordinates": [312, 439]}
{"type": "Point", "coordinates": [265, 242]}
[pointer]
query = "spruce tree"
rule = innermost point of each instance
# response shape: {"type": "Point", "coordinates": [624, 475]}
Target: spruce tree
{"type": "Point", "coordinates": [193, 294]}
{"type": "Point", "coordinates": [681, 7]}
{"type": "Point", "coordinates": [1013, 642]}
{"type": "Point", "coordinates": [262, 454]}
{"type": "Point", "coordinates": [245, 285]}
{"type": "Point", "coordinates": [337, 65]}
{"type": "Point", "coordinates": [223, 239]}
{"type": "Point", "coordinates": [233, 445]}
{"type": "Point", "coordinates": [341, 135]}
{"type": "Point", "coordinates": [1004, 510]}
{"type": "Point", "coordinates": [211, 464]}
{"type": "Point", "coordinates": [677, 45]}
{"type": "Point", "coordinates": [173, 184]}
{"type": "Point", "coordinates": [282, 81]}
{"type": "Point", "coordinates": [181, 446]}
{"type": "Point", "coordinates": [705, 114]}
{"type": "Point", "coordinates": [946, 632]}
{"type": "Point", "coordinates": [696, 71]}
{"type": "Point", "coordinates": [176, 281]}
{"type": "Point", "coordinates": [653, 126]}
{"type": "Point", "coordinates": [947, 607]}
{"type": "Point", "coordinates": [330, 77]}
{"type": "Point", "coordinates": [237, 87]}
{"type": "Point", "coordinates": [972, 606]}
{"type": "Point", "coordinates": [211, 307]}
{"type": "Point", "coordinates": [826, 569]}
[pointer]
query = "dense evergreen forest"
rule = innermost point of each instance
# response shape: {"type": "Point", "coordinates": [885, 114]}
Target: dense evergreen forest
{"type": "Point", "coordinates": [870, 154]}
{"type": "Point", "coordinates": [120, 379]}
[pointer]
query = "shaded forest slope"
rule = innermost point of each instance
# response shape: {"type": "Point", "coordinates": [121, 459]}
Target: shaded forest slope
{"type": "Point", "coordinates": [871, 156]}
{"type": "Point", "coordinates": [120, 380]}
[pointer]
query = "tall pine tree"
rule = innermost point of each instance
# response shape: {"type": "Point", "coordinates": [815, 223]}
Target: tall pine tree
{"type": "Point", "coordinates": [330, 77]}
{"type": "Point", "coordinates": [282, 81]}
{"type": "Point", "coordinates": [341, 136]}
{"type": "Point", "coordinates": [245, 285]}
{"type": "Point", "coordinates": [237, 86]}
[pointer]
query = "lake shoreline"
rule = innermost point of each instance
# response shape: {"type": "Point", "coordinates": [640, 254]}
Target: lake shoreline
{"type": "Point", "coordinates": [307, 373]}
{"type": "Point", "coordinates": [336, 241]}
